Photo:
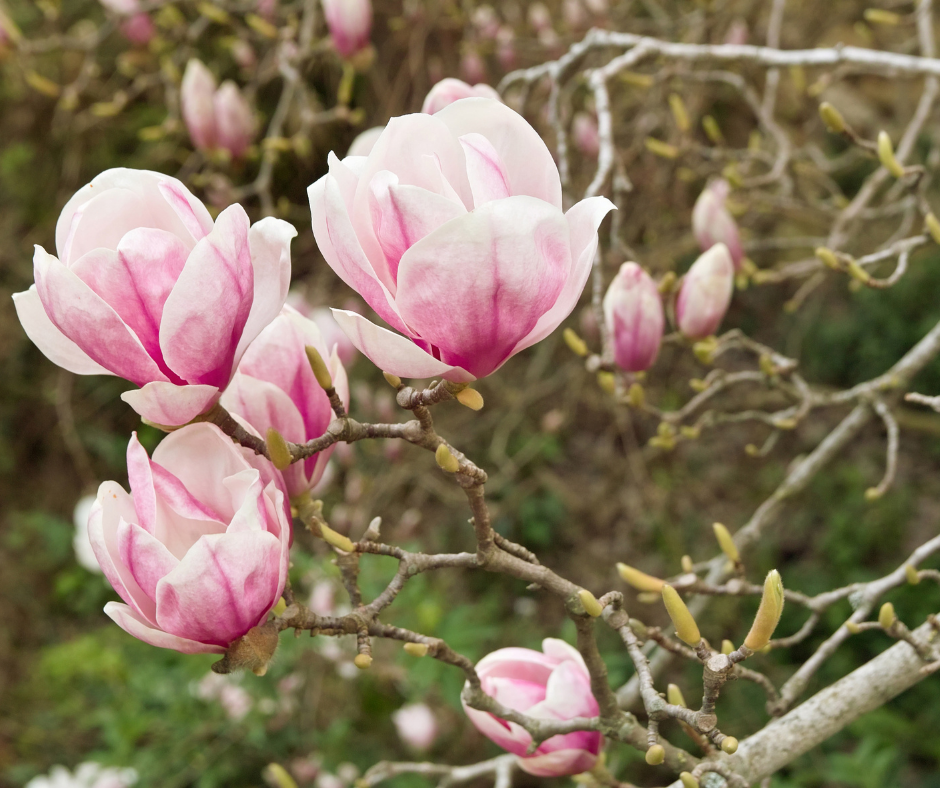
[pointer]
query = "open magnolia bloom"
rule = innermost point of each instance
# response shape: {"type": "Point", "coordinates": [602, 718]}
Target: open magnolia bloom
{"type": "Point", "coordinates": [553, 684]}
{"type": "Point", "coordinates": [199, 549]}
{"type": "Point", "coordinates": [452, 230]}
{"type": "Point", "coordinates": [147, 287]}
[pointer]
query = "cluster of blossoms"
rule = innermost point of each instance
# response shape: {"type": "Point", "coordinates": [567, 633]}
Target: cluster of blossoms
{"type": "Point", "coordinates": [86, 775]}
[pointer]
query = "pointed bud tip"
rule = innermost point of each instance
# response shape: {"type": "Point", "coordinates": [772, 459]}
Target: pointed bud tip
{"type": "Point", "coordinates": [278, 449]}
{"type": "Point", "coordinates": [393, 380]}
{"type": "Point", "coordinates": [688, 781]}
{"type": "Point", "coordinates": [726, 543]}
{"type": "Point", "coordinates": [639, 580]}
{"type": "Point", "coordinates": [768, 613]}
{"type": "Point", "coordinates": [591, 606]}
{"type": "Point", "coordinates": [318, 365]}
{"type": "Point", "coordinates": [575, 344]}
{"type": "Point", "coordinates": [674, 695]}
{"type": "Point", "coordinates": [686, 629]}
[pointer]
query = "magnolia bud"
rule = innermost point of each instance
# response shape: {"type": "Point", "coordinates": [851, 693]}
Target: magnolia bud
{"type": "Point", "coordinates": [320, 370]}
{"type": "Point", "coordinates": [633, 312]}
{"type": "Point", "coordinates": [445, 459]}
{"type": "Point", "coordinates": [686, 628]}
{"type": "Point", "coordinates": [278, 449]}
{"type": "Point", "coordinates": [639, 580]}
{"type": "Point", "coordinates": [726, 647]}
{"type": "Point", "coordinates": [712, 223]}
{"type": "Point", "coordinates": [585, 135]}
{"type": "Point", "coordinates": [591, 606]}
{"type": "Point", "coordinates": [197, 103]}
{"type": "Point", "coordinates": [768, 613]}
{"type": "Point", "coordinates": [350, 23]}
{"type": "Point", "coordinates": [674, 696]}
{"type": "Point", "coordinates": [886, 616]}
{"type": "Point", "coordinates": [687, 565]}
{"type": "Point", "coordinates": [363, 661]}
{"type": "Point", "coordinates": [886, 155]}
{"type": "Point", "coordinates": [470, 398]}
{"type": "Point", "coordinates": [933, 226]}
{"type": "Point", "coordinates": [393, 380]}
{"type": "Point", "coordinates": [234, 120]}
{"type": "Point", "coordinates": [655, 755]}
{"type": "Point", "coordinates": [416, 649]}
{"type": "Point", "coordinates": [911, 574]}
{"type": "Point", "coordinates": [679, 113]}
{"type": "Point", "coordinates": [575, 343]}
{"type": "Point", "coordinates": [729, 745]}
{"type": "Point", "coordinates": [832, 118]}
{"type": "Point", "coordinates": [687, 780]}
{"type": "Point", "coordinates": [705, 293]}
{"type": "Point", "coordinates": [726, 543]}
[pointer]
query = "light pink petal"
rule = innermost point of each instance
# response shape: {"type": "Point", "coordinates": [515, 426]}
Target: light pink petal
{"type": "Point", "coordinates": [205, 315]}
{"type": "Point", "coordinates": [403, 215]}
{"type": "Point", "coordinates": [509, 736]}
{"type": "Point", "coordinates": [523, 664]}
{"type": "Point", "coordinates": [558, 649]}
{"type": "Point", "coordinates": [132, 623]}
{"type": "Point", "coordinates": [225, 585]}
{"type": "Point", "coordinates": [393, 353]}
{"type": "Point", "coordinates": [528, 165]}
{"type": "Point", "coordinates": [365, 142]}
{"type": "Point", "coordinates": [85, 318]}
{"type": "Point", "coordinates": [140, 476]}
{"type": "Point", "coordinates": [197, 92]}
{"type": "Point", "coordinates": [245, 488]}
{"type": "Point", "coordinates": [55, 346]}
{"type": "Point", "coordinates": [146, 559]}
{"type": "Point", "coordinates": [190, 211]}
{"type": "Point", "coordinates": [515, 694]}
{"type": "Point", "coordinates": [568, 693]}
{"type": "Point", "coordinates": [485, 169]}
{"type": "Point", "coordinates": [269, 242]}
{"type": "Point", "coordinates": [170, 405]}
{"type": "Point", "coordinates": [583, 220]}
{"type": "Point", "coordinates": [559, 763]}
{"type": "Point", "coordinates": [234, 121]}
{"type": "Point", "coordinates": [478, 285]}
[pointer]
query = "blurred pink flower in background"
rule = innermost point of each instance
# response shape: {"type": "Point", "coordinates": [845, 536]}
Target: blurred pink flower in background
{"type": "Point", "coordinates": [712, 223]}
{"type": "Point", "coordinates": [552, 684]}
{"type": "Point", "coordinates": [86, 775]}
{"type": "Point", "coordinates": [738, 32]}
{"type": "Point", "coordinates": [449, 90]}
{"type": "Point", "coordinates": [416, 726]}
{"type": "Point", "coordinates": [136, 25]}
{"type": "Point", "coordinates": [452, 230]}
{"type": "Point", "coordinates": [84, 553]}
{"type": "Point", "coordinates": [633, 311]}
{"type": "Point", "coordinates": [486, 22]}
{"type": "Point", "coordinates": [585, 135]}
{"type": "Point", "coordinates": [218, 118]}
{"type": "Point", "coordinates": [350, 24]}
{"type": "Point", "coordinates": [147, 287]}
{"type": "Point", "coordinates": [705, 293]}
{"type": "Point", "coordinates": [199, 550]}
{"type": "Point", "coordinates": [472, 66]}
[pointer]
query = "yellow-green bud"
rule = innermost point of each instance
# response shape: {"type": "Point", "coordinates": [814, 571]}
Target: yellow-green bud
{"type": "Point", "coordinates": [852, 627]}
{"type": "Point", "coordinates": [363, 661]}
{"type": "Point", "coordinates": [674, 696]}
{"type": "Point", "coordinates": [726, 543]}
{"type": "Point", "coordinates": [682, 620]}
{"type": "Point", "coordinates": [320, 372]}
{"type": "Point", "coordinates": [336, 539]}
{"type": "Point", "coordinates": [606, 381]}
{"type": "Point", "coordinates": [577, 345]}
{"type": "Point", "coordinates": [829, 258]}
{"type": "Point", "coordinates": [933, 226]}
{"type": "Point", "coordinates": [261, 25]}
{"type": "Point", "coordinates": [416, 649]}
{"type": "Point", "coordinates": [729, 745]}
{"type": "Point", "coordinates": [277, 776]}
{"type": "Point", "coordinates": [911, 574]}
{"type": "Point", "coordinates": [635, 396]}
{"type": "Point", "coordinates": [832, 118]}
{"type": "Point", "coordinates": [393, 380]}
{"type": "Point", "coordinates": [886, 616]}
{"type": "Point", "coordinates": [886, 155]}
{"type": "Point", "coordinates": [639, 580]}
{"type": "Point", "coordinates": [470, 398]}
{"type": "Point", "coordinates": [278, 449]}
{"type": "Point", "coordinates": [655, 755]}
{"type": "Point", "coordinates": [726, 647]}
{"type": "Point", "coordinates": [768, 613]}
{"type": "Point", "coordinates": [687, 780]}
{"type": "Point", "coordinates": [591, 606]}
{"type": "Point", "coordinates": [878, 16]}
{"type": "Point", "coordinates": [679, 112]}
{"type": "Point", "coordinates": [687, 565]}
{"type": "Point", "coordinates": [280, 607]}
{"type": "Point", "coordinates": [712, 130]}
{"type": "Point", "coordinates": [446, 459]}
{"type": "Point", "coordinates": [660, 148]}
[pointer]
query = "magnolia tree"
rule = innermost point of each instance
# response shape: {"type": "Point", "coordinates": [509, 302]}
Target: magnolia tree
{"type": "Point", "coordinates": [472, 239]}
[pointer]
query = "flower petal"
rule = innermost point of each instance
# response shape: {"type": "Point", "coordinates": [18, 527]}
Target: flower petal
{"type": "Point", "coordinates": [145, 558]}
{"type": "Point", "coordinates": [393, 353]}
{"type": "Point", "coordinates": [568, 692]}
{"type": "Point", "coordinates": [53, 344]}
{"type": "Point", "coordinates": [188, 209]}
{"type": "Point", "coordinates": [132, 623]}
{"type": "Point", "coordinates": [485, 169]}
{"type": "Point", "coordinates": [559, 763]}
{"type": "Point", "coordinates": [170, 405]}
{"type": "Point", "coordinates": [140, 477]}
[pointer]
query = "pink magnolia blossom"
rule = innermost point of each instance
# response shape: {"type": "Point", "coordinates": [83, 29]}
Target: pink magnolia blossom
{"type": "Point", "coordinates": [350, 23]}
{"type": "Point", "coordinates": [199, 549]}
{"type": "Point", "coordinates": [86, 775]}
{"type": "Point", "coordinates": [147, 287]}
{"type": "Point", "coordinates": [137, 25]}
{"type": "Point", "coordinates": [633, 311]}
{"type": "Point", "coordinates": [472, 66]}
{"type": "Point", "coordinates": [333, 336]}
{"type": "Point", "coordinates": [712, 223]}
{"type": "Point", "coordinates": [217, 118]}
{"type": "Point", "coordinates": [585, 135]}
{"type": "Point", "coordinates": [416, 726]}
{"type": "Point", "coordinates": [705, 293]}
{"type": "Point", "coordinates": [486, 22]}
{"type": "Point", "coordinates": [274, 386]}
{"type": "Point", "coordinates": [365, 141]}
{"type": "Point", "coordinates": [449, 90]}
{"type": "Point", "coordinates": [554, 685]}
{"type": "Point", "coordinates": [452, 230]}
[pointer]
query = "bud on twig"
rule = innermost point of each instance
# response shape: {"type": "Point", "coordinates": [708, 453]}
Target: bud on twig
{"type": "Point", "coordinates": [729, 745]}
{"type": "Point", "coordinates": [886, 616]}
{"type": "Point", "coordinates": [933, 226]}
{"type": "Point", "coordinates": [832, 118]}
{"type": "Point", "coordinates": [768, 613]}
{"type": "Point", "coordinates": [363, 661]}
{"type": "Point", "coordinates": [686, 628]}
{"type": "Point", "coordinates": [829, 258]}
{"type": "Point", "coordinates": [661, 149]}
{"type": "Point", "coordinates": [674, 696]}
{"type": "Point", "coordinates": [878, 16]}
{"type": "Point", "coordinates": [687, 565]}
{"type": "Point", "coordinates": [655, 755]}
{"type": "Point", "coordinates": [726, 543]}
{"type": "Point", "coordinates": [278, 449]}
{"type": "Point", "coordinates": [886, 155]}
{"type": "Point", "coordinates": [320, 371]}
{"type": "Point", "coordinates": [277, 776]}
{"type": "Point", "coordinates": [416, 649]}
{"type": "Point", "coordinates": [470, 398]}
{"type": "Point", "coordinates": [577, 345]}
{"type": "Point", "coordinates": [591, 606]}
{"type": "Point", "coordinates": [911, 574]}
{"type": "Point", "coordinates": [726, 647]}
{"type": "Point", "coordinates": [679, 112]}
{"type": "Point", "coordinates": [687, 780]}
{"type": "Point", "coordinates": [445, 459]}
{"type": "Point", "coordinates": [639, 580]}
{"type": "Point", "coordinates": [393, 380]}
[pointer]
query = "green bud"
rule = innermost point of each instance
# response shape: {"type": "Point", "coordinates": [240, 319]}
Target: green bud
{"type": "Point", "coordinates": [278, 449]}
{"type": "Point", "coordinates": [686, 629]}
{"type": "Point", "coordinates": [655, 755]}
{"type": "Point", "coordinates": [886, 616]}
{"type": "Point", "coordinates": [320, 371]}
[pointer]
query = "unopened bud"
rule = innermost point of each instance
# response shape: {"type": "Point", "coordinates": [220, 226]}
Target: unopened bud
{"type": "Point", "coordinates": [878, 16]}
{"type": "Point", "coordinates": [320, 371]}
{"type": "Point", "coordinates": [393, 380]}
{"type": "Point", "coordinates": [633, 314]}
{"type": "Point", "coordinates": [712, 130]}
{"type": "Point", "coordinates": [886, 616]}
{"type": "Point", "coordinates": [829, 258]}
{"type": "Point", "coordinates": [363, 661]}
{"type": "Point", "coordinates": [687, 780]}
{"type": "Point", "coordinates": [832, 118]}
{"type": "Point", "coordinates": [911, 574]}
{"type": "Point", "coordinates": [336, 539]}
{"type": "Point", "coordinates": [591, 606]}
{"type": "Point", "coordinates": [674, 696]}
{"type": "Point", "coordinates": [712, 222]}
{"type": "Point", "coordinates": [470, 398]}
{"type": "Point", "coordinates": [768, 613]}
{"type": "Point", "coordinates": [416, 649]}
{"type": "Point", "coordinates": [726, 543]}
{"type": "Point", "coordinates": [679, 113]}
{"type": "Point", "coordinates": [661, 149]}
{"type": "Point", "coordinates": [706, 293]}
{"type": "Point", "coordinates": [729, 745]}
{"type": "Point", "coordinates": [852, 627]}
{"type": "Point", "coordinates": [687, 565]}
{"type": "Point", "coordinates": [886, 155]}
{"type": "Point", "coordinates": [639, 580]}
{"type": "Point", "coordinates": [933, 226]}
{"type": "Point", "coordinates": [261, 25]}
{"type": "Point", "coordinates": [655, 755]}
{"type": "Point", "coordinates": [726, 647]}
{"type": "Point", "coordinates": [279, 608]}
{"type": "Point", "coordinates": [686, 628]}
{"type": "Point", "coordinates": [873, 494]}
{"type": "Point", "coordinates": [607, 381]}
{"type": "Point", "coordinates": [252, 651]}
{"type": "Point", "coordinates": [577, 345]}
{"type": "Point", "coordinates": [278, 449]}
{"type": "Point", "coordinates": [697, 384]}
{"type": "Point", "coordinates": [277, 776]}
{"type": "Point", "coordinates": [445, 459]}
{"type": "Point", "coordinates": [635, 396]}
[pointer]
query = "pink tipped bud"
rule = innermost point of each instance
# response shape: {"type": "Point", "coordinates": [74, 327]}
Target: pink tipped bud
{"type": "Point", "coordinates": [139, 29]}
{"type": "Point", "coordinates": [712, 223]}
{"type": "Point", "coordinates": [472, 67]}
{"type": "Point", "coordinates": [449, 90]}
{"type": "Point", "coordinates": [234, 121]}
{"type": "Point", "coordinates": [706, 293]}
{"type": "Point", "coordinates": [197, 100]}
{"type": "Point", "coordinates": [584, 134]}
{"type": "Point", "coordinates": [633, 311]}
{"type": "Point", "coordinates": [350, 23]}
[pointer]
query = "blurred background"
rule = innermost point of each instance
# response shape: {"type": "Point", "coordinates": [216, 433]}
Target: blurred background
{"type": "Point", "coordinates": [572, 477]}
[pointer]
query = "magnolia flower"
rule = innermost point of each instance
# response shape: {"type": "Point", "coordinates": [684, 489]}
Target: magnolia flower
{"type": "Point", "coordinates": [585, 134]}
{"type": "Point", "coordinates": [705, 293]}
{"type": "Point", "coordinates": [365, 142]}
{"type": "Point", "coordinates": [333, 336]}
{"type": "Point", "coordinates": [137, 26]}
{"type": "Point", "coordinates": [416, 726]}
{"type": "Point", "coordinates": [712, 223]}
{"type": "Point", "coordinates": [633, 312]}
{"type": "Point", "coordinates": [553, 685]}
{"type": "Point", "coordinates": [449, 90]}
{"type": "Point", "coordinates": [486, 22]}
{"type": "Point", "coordinates": [350, 23]}
{"type": "Point", "coordinates": [218, 118]}
{"type": "Point", "coordinates": [84, 553]}
{"type": "Point", "coordinates": [452, 230]}
{"type": "Point", "coordinates": [274, 386]}
{"type": "Point", "coordinates": [472, 66]}
{"type": "Point", "coordinates": [199, 549]}
{"type": "Point", "coordinates": [147, 287]}
{"type": "Point", "coordinates": [86, 775]}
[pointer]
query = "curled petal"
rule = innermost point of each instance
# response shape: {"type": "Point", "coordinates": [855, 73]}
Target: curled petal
{"type": "Point", "coordinates": [170, 405]}
{"type": "Point", "coordinates": [134, 624]}
{"type": "Point", "coordinates": [145, 558]}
